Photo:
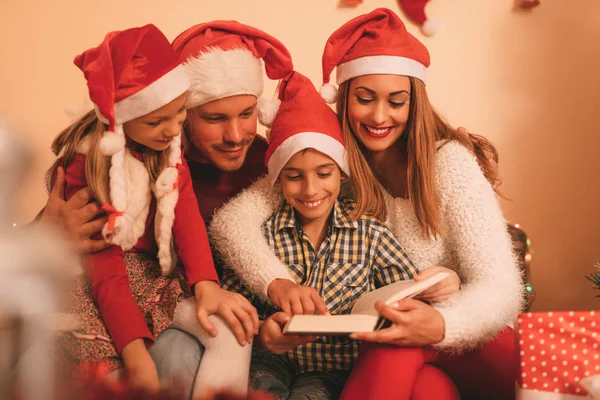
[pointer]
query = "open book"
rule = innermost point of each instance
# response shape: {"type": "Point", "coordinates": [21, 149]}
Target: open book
{"type": "Point", "coordinates": [363, 317]}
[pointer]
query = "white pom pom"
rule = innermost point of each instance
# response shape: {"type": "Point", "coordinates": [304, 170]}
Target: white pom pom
{"type": "Point", "coordinates": [267, 110]}
{"type": "Point", "coordinates": [166, 180]}
{"type": "Point", "coordinates": [111, 143]}
{"type": "Point", "coordinates": [329, 93]}
{"type": "Point", "coordinates": [430, 27]}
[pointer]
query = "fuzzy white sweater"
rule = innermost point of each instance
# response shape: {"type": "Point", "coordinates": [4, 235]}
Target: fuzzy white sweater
{"type": "Point", "coordinates": [475, 244]}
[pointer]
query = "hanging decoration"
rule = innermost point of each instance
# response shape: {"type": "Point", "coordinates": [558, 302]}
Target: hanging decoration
{"type": "Point", "coordinates": [413, 9]}
{"type": "Point", "coordinates": [527, 4]}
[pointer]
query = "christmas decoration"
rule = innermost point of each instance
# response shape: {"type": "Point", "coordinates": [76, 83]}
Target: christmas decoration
{"type": "Point", "coordinates": [414, 10]}
{"type": "Point", "coordinates": [522, 248]}
{"type": "Point", "coordinates": [559, 354]}
{"type": "Point", "coordinates": [528, 4]}
{"type": "Point", "coordinates": [595, 279]}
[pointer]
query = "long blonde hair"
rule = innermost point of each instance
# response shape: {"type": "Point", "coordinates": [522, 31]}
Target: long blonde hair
{"type": "Point", "coordinates": [97, 165]}
{"type": "Point", "coordinates": [425, 127]}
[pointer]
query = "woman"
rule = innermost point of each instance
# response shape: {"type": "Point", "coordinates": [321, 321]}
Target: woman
{"type": "Point", "coordinates": [433, 188]}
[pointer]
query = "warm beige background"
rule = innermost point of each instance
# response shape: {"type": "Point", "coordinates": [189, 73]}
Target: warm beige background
{"type": "Point", "coordinates": [529, 81]}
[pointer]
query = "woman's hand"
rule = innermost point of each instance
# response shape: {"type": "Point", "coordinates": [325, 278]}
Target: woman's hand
{"type": "Point", "coordinates": [273, 339]}
{"type": "Point", "coordinates": [442, 290]}
{"type": "Point", "coordinates": [140, 368]}
{"type": "Point", "coordinates": [235, 309]}
{"type": "Point", "coordinates": [414, 324]}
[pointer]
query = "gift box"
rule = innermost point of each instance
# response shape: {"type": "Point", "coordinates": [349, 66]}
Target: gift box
{"type": "Point", "coordinates": [559, 355]}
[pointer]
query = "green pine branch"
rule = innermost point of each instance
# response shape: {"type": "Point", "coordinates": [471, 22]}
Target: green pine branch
{"type": "Point", "coordinates": [595, 279]}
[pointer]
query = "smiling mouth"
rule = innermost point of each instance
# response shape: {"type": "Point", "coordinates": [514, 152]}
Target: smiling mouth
{"type": "Point", "coordinates": [312, 204]}
{"type": "Point", "coordinates": [377, 132]}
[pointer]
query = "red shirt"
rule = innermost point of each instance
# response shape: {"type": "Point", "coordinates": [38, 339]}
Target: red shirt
{"type": "Point", "coordinates": [214, 187]}
{"type": "Point", "coordinates": [106, 268]}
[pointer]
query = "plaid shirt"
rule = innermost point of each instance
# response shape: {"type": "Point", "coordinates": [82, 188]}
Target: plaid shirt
{"type": "Point", "coordinates": [356, 256]}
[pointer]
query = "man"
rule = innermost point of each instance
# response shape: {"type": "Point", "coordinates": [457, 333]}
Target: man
{"type": "Point", "coordinates": [223, 61]}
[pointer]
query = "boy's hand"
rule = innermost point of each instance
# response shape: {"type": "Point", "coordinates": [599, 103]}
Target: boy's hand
{"type": "Point", "coordinates": [140, 368]}
{"type": "Point", "coordinates": [273, 339]}
{"type": "Point", "coordinates": [235, 309]}
{"type": "Point", "coordinates": [296, 299]}
{"type": "Point", "coordinates": [439, 291]}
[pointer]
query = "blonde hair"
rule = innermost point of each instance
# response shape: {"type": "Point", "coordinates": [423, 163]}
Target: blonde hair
{"type": "Point", "coordinates": [425, 127]}
{"type": "Point", "coordinates": [88, 131]}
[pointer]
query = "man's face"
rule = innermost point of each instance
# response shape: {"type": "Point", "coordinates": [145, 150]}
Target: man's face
{"type": "Point", "coordinates": [221, 131]}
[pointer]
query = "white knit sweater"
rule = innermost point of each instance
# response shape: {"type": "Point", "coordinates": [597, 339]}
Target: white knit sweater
{"type": "Point", "coordinates": [475, 244]}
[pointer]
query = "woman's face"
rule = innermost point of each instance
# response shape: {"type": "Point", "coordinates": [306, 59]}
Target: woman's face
{"type": "Point", "coordinates": [378, 108]}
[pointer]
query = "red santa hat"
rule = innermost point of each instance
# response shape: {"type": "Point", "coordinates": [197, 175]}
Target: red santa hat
{"type": "Point", "coordinates": [415, 10]}
{"type": "Point", "coordinates": [223, 59]}
{"type": "Point", "coordinates": [303, 121]}
{"type": "Point", "coordinates": [130, 74]}
{"type": "Point", "coordinates": [374, 43]}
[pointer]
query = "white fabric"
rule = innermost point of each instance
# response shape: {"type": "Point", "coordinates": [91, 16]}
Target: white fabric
{"type": "Point", "coordinates": [216, 74]}
{"type": "Point", "coordinates": [225, 365]}
{"type": "Point", "coordinates": [476, 245]}
{"type": "Point", "coordinates": [305, 140]}
{"type": "Point", "coordinates": [371, 65]}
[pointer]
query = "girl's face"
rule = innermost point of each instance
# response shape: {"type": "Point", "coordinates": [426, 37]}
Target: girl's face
{"type": "Point", "coordinates": [378, 107]}
{"type": "Point", "coordinates": [311, 183]}
{"type": "Point", "coordinates": [157, 129]}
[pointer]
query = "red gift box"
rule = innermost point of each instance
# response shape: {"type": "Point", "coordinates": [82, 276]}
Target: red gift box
{"type": "Point", "coordinates": [557, 351]}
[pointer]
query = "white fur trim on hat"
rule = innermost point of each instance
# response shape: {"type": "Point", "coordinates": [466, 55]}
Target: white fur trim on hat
{"type": "Point", "coordinates": [329, 93]}
{"type": "Point", "coordinates": [307, 140]}
{"type": "Point", "coordinates": [163, 227]}
{"type": "Point", "coordinates": [154, 96]}
{"type": "Point", "coordinates": [216, 74]}
{"type": "Point", "coordinates": [267, 110]}
{"type": "Point", "coordinates": [391, 65]}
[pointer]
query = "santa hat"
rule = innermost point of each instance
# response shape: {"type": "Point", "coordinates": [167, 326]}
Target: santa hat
{"type": "Point", "coordinates": [303, 121]}
{"type": "Point", "coordinates": [415, 10]}
{"type": "Point", "coordinates": [374, 43]}
{"type": "Point", "coordinates": [223, 59]}
{"type": "Point", "coordinates": [130, 74]}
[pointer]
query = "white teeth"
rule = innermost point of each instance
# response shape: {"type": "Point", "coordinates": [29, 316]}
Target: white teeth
{"type": "Point", "coordinates": [377, 131]}
{"type": "Point", "coordinates": [313, 204]}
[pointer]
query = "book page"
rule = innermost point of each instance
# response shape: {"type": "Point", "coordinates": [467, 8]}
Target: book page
{"type": "Point", "coordinates": [394, 292]}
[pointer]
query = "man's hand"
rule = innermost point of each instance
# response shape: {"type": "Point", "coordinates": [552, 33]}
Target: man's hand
{"type": "Point", "coordinates": [80, 217]}
{"type": "Point", "coordinates": [235, 309]}
{"type": "Point", "coordinates": [296, 299]}
{"type": "Point", "coordinates": [442, 290]}
{"type": "Point", "coordinates": [273, 339]}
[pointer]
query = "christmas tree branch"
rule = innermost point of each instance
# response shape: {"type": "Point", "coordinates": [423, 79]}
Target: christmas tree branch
{"type": "Point", "coordinates": [595, 279]}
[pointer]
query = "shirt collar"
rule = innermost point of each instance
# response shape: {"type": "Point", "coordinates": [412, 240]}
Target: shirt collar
{"type": "Point", "coordinates": [340, 219]}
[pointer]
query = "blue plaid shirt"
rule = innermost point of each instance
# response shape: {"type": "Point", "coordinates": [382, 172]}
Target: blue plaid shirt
{"type": "Point", "coordinates": [356, 256]}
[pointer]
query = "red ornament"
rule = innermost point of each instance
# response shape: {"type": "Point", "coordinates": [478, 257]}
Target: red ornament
{"type": "Point", "coordinates": [527, 4]}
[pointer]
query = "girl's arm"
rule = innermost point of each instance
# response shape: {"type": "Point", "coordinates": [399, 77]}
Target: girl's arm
{"type": "Point", "coordinates": [237, 234]}
{"type": "Point", "coordinates": [108, 278]}
{"type": "Point", "coordinates": [491, 294]}
{"type": "Point", "coordinates": [189, 234]}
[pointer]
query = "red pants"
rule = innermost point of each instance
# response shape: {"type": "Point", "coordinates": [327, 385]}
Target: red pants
{"type": "Point", "coordinates": [401, 373]}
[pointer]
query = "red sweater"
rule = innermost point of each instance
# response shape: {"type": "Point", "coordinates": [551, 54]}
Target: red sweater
{"type": "Point", "coordinates": [106, 269]}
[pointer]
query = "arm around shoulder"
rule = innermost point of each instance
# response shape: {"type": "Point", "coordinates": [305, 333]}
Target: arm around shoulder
{"type": "Point", "coordinates": [491, 295]}
{"type": "Point", "coordinates": [236, 231]}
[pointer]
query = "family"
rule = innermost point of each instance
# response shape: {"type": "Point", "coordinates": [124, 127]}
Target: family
{"type": "Point", "coordinates": [200, 239]}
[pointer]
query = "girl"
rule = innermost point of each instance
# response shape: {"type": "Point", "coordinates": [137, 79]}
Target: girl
{"type": "Point", "coordinates": [433, 188]}
{"type": "Point", "coordinates": [128, 152]}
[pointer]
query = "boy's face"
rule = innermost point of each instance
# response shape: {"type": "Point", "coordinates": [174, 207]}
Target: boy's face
{"type": "Point", "coordinates": [311, 183]}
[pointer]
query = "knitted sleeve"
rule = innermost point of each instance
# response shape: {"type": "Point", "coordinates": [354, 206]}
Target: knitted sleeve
{"type": "Point", "coordinates": [236, 231]}
{"type": "Point", "coordinates": [491, 294]}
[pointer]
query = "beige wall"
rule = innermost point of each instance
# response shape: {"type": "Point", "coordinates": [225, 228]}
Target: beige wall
{"type": "Point", "coordinates": [528, 81]}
